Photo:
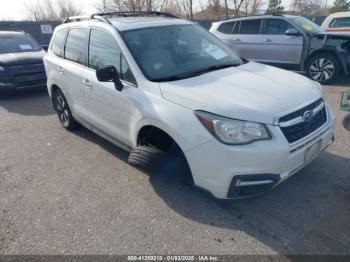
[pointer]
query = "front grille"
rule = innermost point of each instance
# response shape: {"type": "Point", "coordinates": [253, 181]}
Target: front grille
{"type": "Point", "coordinates": [31, 79]}
{"type": "Point", "coordinates": [27, 75]}
{"type": "Point", "coordinates": [296, 132]}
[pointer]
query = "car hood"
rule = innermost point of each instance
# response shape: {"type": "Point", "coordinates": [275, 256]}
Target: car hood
{"type": "Point", "coordinates": [21, 58]}
{"type": "Point", "coordinates": [253, 92]}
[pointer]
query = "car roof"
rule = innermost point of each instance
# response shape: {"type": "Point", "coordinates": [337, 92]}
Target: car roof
{"type": "Point", "coordinates": [255, 17]}
{"type": "Point", "coordinates": [340, 14]}
{"type": "Point", "coordinates": [128, 23]}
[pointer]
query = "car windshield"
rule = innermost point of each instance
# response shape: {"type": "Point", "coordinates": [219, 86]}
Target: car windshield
{"type": "Point", "coordinates": [306, 24]}
{"type": "Point", "coordinates": [169, 53]}
{"type": "Point", "coordinates": [17, 43]}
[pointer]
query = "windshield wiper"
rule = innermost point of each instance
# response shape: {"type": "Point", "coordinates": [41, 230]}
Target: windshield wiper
{"type": "Point", "coordinates": [195, 73]}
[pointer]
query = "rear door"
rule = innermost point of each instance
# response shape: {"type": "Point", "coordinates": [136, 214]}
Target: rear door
{"type": "Point", "coordinates": [71, 69]}
{"type": "Point", "coordinates": [247, 39]}
{"type": "Point", "coordinates": [279, 48]}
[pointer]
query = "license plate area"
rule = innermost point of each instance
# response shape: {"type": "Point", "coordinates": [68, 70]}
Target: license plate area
{"type": "Point", "coordinates": [312, 151]}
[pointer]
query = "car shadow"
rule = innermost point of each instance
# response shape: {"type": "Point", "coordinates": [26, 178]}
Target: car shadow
{"type": "Point", "coordinates": [345, 82]}
{"type": "Point", "coordinates": [30, 102]}
{"type": "Point", "coordinates": [308, 214]}
{"type": "Point", "coordinates": [114, 150]}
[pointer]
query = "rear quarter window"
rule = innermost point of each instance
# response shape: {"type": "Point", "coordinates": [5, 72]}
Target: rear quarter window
{"type": "Point", "coordinates": [57, 46]}
{"type": "Point", "coordinates": [340, 22]}
{"type": "Point", "coordinates": [226, 28]}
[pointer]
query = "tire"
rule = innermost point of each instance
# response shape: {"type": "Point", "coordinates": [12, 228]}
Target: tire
{"type": "Point", "coordinates": [63, 111]}
{"type": "Point", "coordinates": [153, 161]}
{"type": "Point", "coordinates": [323, 68]}
{"type": "Point", "coordinates": [346, 122]}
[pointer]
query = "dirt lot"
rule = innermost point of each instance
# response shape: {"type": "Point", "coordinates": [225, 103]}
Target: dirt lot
{"type": "Point", "coordinates": [74, 193]}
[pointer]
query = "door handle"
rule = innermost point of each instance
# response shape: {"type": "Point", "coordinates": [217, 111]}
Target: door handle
{"type": "Point", "coordinates": [60, 69]}
{"type": "Point", "coordinates": [87, 83]}
{"type": "Point", "coordinates": [266, 40]}
{"type": "Point", "coordinates": [236, 39]}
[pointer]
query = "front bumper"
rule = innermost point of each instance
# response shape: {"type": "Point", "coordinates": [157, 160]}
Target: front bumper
{"type": "Point", "coordinates": [24, 76]}
{"type": "Point", "coordinates": [222, 169]}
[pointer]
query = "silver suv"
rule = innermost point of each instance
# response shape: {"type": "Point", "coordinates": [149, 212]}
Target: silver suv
{"type": "Point", "coordinates": [290, 42]}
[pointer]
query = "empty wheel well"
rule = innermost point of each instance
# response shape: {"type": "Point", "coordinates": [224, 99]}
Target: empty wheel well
{"type": "Point", "coordinates": [150, 135]}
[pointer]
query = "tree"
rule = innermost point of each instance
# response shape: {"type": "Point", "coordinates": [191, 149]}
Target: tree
{"type": "Point", "coordinates": [50, 10]}
{"type": "Point", "coordinates": [130, 5]}
{"type": "Point", "coordinates": [237, 4]}
{"type": "Point", "coordinates": [340, 6]}
{"type": "Point", "coordinates": [275, 7]}
{"type": "Point", "coordinates": [186, 8]}
{"type": "Point", "coordinates": [306, 7]}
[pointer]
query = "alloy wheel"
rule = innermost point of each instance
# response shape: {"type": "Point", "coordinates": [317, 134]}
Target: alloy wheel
{"type": "Point", "coordinates": [62, 110]}
{"type": "Point", "coordinates": [322, 69]}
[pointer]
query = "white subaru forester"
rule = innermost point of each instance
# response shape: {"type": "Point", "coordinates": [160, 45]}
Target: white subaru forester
{"type": "Point", "coordinates": [178, 99]}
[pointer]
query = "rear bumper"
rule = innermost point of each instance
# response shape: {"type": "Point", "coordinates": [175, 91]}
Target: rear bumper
{"type": "Point", "coordinates": [240, 171]}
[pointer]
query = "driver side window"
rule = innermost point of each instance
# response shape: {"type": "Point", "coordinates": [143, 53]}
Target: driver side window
{"type": "Point", "coordinates": [277, 27]}
{"type": "Point", "coordinates": [104, 50]}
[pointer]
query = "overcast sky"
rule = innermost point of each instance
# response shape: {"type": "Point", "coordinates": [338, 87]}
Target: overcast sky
{"type": "Point", "coordinates": [13, 9]}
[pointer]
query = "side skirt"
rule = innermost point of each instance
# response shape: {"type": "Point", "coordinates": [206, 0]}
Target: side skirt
{"type": "Point", "coordinates": [102, 134]}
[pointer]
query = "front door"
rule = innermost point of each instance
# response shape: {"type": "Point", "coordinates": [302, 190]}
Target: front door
{"type": "Point", "coordinates": [111, 111]}
{"type": "Point", "coordinates": [279, 48]}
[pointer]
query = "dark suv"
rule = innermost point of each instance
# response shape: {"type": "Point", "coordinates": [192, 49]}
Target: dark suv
{"type": "Point", "coordinates": [291, 42]}
{"type": "Point", "coordinates": [21, 62]}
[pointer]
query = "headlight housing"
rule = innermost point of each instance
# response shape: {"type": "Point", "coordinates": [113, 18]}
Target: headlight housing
{"type": "Point", "coordinates": [232, 131]}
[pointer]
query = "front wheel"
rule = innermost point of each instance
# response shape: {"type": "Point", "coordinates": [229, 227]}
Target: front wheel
{"type": "Point", "coordinates": [323, 68]}
{"type": "Point", "coordinates": [346, 122]}
{"type": "Point", "coordinates": [63, 110]}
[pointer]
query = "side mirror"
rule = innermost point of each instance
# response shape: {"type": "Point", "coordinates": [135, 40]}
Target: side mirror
{"type": "Point", "coordinates": [109, 74]}
{"type": "Point", "coordinates": [292, 32]}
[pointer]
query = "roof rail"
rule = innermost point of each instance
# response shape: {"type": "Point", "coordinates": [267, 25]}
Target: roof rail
{"type": "Point", "coordinates": [85, 18]}
{"type": "Point", "coordinates": [258, 15]}
{"type": "Point", "coordinates": [134, 13]}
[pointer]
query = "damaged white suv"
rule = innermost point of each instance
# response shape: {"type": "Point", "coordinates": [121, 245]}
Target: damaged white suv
{"type": "Point", "coordinates": [175, 96]}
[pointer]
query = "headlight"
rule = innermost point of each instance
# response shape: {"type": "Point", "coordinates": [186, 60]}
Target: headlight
{"type": "Point", "coordinates": [231, 131]}
{"type": "Point", "coordinates": [2, 69]}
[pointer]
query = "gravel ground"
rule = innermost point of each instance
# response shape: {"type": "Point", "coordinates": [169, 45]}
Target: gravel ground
{"type": "Point", "coordinates": [73, 193]}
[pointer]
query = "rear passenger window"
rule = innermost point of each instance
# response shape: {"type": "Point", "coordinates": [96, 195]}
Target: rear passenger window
{"type": "Point", "coordinates": [75, 45]}
{"type": "Point", "coordinates": [251, 27]}
{"type": "Point", "coordinates": [57, 46]}
{"type": "Point", "coordinates": [226, 28]}
{"type": "Point", "coordinates": [104, 50]}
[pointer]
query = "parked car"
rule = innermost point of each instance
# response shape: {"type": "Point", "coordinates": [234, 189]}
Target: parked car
{"type": "Point", "coordinates": [337, 22]}
{"type": "Point", "coordinates": [174, 95]}
{"type": "Point", "coordinates": [21, 62]}
{"type": "Point", "coordinates": [290, 42]}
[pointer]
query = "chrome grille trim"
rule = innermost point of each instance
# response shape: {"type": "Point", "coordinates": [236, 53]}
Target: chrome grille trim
{"type": "Point", "coordinates": [300, 119]}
